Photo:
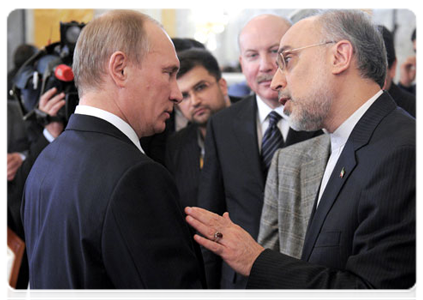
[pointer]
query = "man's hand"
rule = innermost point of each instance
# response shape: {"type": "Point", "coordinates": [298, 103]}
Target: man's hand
{"type": "Point", "coordinates": [226, 239]}
{"type": "Point", "coordinates": [408, 71]}
{"type": "Point", "coordinates": [51, 104]}
{"type": "Point", "coordinates": [14, 161]}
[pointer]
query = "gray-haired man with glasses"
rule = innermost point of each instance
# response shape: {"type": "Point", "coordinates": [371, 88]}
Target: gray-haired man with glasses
{"type": "Point", "coordinates": [361, 232]}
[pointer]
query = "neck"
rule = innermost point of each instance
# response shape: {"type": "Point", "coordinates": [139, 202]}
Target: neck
{"type": "Point", "coordinates": [203, 130]}
{"type": "Point", "coordinates": [347, 101]}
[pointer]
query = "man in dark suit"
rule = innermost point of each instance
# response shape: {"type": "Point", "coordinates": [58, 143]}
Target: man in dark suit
{"type": "Point", "coordinates": [234, 173]}
{"type": "Point", "coordinates": [404, 99]}
{"type": "Point", "coordinates": [361, 232]}
{"type": "Point", "coordinates": [92, 196]}
{"type": "Point", "coordinates": [204, 92]}
{"type": "Point", "coordinates": [411, 66]}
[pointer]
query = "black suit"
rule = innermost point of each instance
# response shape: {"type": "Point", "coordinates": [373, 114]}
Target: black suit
{"type": "Point", "coordinates": [232, 179]}
{"type": "Point", "coordinates": [363, 233]}
{"type": "Point", "coordinates": [98, 214]}
{"type": "Point", "coordinates": [404, 99]}
{"type": "Point", "coordinates": [183, 161]}
{"type": "Point", "coordinates": [183, 154]}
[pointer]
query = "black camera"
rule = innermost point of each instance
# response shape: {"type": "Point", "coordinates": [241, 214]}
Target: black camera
{"type": "Point", "coordinates": [50, 67]}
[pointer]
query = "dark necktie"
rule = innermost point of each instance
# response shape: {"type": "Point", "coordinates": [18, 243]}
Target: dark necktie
{"type": "Point", "coordinates": [272, 140]}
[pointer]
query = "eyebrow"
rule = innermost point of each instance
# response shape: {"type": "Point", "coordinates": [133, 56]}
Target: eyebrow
{"type": "Point", "coordinates": [172, 69]}
{"type": "Point", "coordinates": [284, 49]}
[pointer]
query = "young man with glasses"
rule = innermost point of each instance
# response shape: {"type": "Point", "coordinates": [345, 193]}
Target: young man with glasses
{"type": "Point", "coordinates": [204, 92]}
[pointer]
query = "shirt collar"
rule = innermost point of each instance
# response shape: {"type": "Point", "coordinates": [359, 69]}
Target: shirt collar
{"type": "Point", "coordinates": [112, 119]}
{"type": "Point", "coordinates": [263, 109]}
{"type": "Point", "coordinates": [340, 136]}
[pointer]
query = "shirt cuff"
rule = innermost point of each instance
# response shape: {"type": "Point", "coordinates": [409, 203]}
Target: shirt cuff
{"type": "Point", "coordinates": [48, 135]}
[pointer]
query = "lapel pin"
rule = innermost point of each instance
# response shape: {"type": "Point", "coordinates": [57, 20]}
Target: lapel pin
{"type": "Point", "coordinates": [341, 175]}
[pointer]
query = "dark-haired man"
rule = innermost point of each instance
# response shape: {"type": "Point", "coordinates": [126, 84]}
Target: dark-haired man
{"type": "Point", "coordinates": [411, 66]}
{"type": "Point", "coordinates": [404, 99]}
{"type": "Point", "coordinates": [204, 92]}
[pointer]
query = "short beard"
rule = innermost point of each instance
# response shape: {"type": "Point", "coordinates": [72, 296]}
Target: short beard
{"type": "Point", "coordinates": [310, 112]}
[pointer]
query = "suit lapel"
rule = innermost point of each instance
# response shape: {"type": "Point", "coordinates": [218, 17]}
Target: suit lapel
{"type": "Point", "coordinates": [346, 164]}
{"type": "Point", "coordinates": [245, 132]}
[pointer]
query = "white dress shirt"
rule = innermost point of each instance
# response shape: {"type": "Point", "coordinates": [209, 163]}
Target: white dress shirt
{"type": "Point", "coordinates": [112, 119]}
{"type": "Point", "coordinates": [263, 121]}
{"type": "Point", "coordinates": [339, 138]}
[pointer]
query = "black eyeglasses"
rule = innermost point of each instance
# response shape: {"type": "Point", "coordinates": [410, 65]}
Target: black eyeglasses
{"type": "Point", "coordinates": [281, 61]}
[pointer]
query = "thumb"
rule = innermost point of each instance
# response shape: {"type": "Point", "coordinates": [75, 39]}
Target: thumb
{"type": "Point", "coordinates": [226, 216]}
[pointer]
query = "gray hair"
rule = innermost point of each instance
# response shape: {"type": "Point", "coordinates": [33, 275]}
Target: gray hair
{"type": "Point", "coordinates": [368, 46]}
{"type": "Point", "coordinates": [119, 30]}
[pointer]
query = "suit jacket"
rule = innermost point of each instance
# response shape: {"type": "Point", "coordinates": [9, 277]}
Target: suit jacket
{"type": "Point", "coordinates": [411, 89]}
{"type": "Point", "coordinates": [232, 179]}
{"type": "Point", "coordinates": [98, 214]}
{"type": "Point", "coordinates": [183, 161]}
{"type": "Point", "coordinates": [403, 99]}
{"type": "Point", "coordinates": [293, 181]}
{"type": "Point", "coordinates": [363, 233]}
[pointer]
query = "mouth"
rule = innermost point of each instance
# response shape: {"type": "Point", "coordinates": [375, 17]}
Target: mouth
{"type": "Point", "coordinates": [283, 100]}
{"type": "Point", "coordinates": [199, 111]}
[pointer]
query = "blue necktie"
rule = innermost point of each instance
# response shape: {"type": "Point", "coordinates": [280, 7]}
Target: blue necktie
{"type": "Point", "coordinates": [272, 140]}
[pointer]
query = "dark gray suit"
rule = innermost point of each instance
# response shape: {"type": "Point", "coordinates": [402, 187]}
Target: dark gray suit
{"type": "Point", "coordinates": [232, 178]}
{"type": "Point", "coordinates": [363, 233]}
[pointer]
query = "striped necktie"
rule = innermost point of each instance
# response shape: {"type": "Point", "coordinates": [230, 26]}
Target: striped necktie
{"type": "Point", "coordinates": [272, 140]}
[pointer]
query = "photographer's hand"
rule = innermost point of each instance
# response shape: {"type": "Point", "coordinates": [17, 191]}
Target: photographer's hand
{"type": "Point", "coordinates": [51, 103]}
{"type": "Point", "coordinates": [14, 161]}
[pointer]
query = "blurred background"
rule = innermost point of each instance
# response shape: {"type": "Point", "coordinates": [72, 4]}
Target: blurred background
{"type": "Point", "coordinates": [216, 27]}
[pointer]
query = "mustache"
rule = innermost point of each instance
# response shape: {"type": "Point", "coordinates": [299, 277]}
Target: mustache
{"type": "Point", "coordinates": [264, 77]}
{"type": "Point", "coordinates": [284, 95]}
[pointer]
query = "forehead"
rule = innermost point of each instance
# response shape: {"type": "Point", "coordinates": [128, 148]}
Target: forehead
{"type": "Point", "coordinates": [160, 42]}
{"type": "Point", "coordinates": [301, 34]}
{"type": "Point", "coordinates": [261, 34]}
{"type": "Point", "coordinates": [195, 75]}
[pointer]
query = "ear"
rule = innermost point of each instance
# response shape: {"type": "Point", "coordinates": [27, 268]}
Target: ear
{"type": "Point", "coordinates": [223, 86]}
{"type": "Point", "coordinates": [342, 54]}
{"type": "Point", "coordinates": [118, 63]}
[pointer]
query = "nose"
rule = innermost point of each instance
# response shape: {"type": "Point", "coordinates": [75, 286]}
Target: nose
{"type": "Point", "coordinates": [195, 100]}
{"type": "Point", "coordinates": [175, 93]}
{"type": "Point", "coordinates": [278, 81]}
{"type": "Point", "coordinates": [267, 63]}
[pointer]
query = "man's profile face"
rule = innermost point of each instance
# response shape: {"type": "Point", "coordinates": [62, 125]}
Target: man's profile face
{"type": "Point", "coordinates": [303, 85]}
{"type": "Point", "coordinates": [202, 94]}
{"type": "Point", "coordinates": [153, 90]}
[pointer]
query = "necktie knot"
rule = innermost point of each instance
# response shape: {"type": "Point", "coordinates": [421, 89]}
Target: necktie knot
{"type": "Point", "coordinates": [274, 118]}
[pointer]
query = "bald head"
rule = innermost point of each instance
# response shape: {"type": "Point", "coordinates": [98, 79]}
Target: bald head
{"type": "Point", "coordinates": [262, 25]}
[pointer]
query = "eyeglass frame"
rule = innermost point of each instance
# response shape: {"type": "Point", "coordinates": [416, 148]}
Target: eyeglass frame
{"type": "Point", "coordinates": [196, 93]}
{"type": "Point", "coordinates": [280, 60]}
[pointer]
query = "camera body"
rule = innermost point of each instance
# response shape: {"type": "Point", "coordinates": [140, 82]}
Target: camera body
{"type": "Point", "coordinates": [50, 67]}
